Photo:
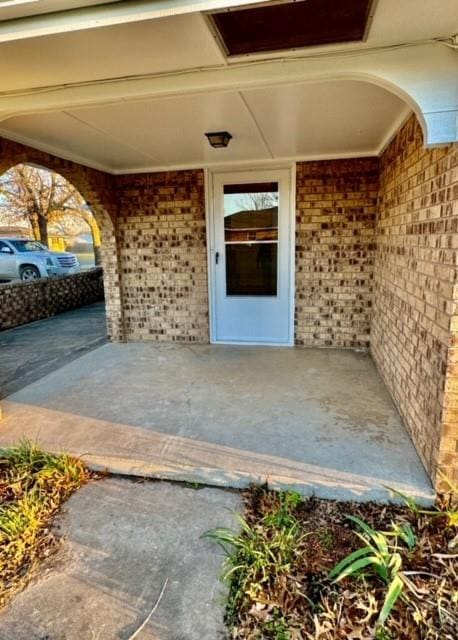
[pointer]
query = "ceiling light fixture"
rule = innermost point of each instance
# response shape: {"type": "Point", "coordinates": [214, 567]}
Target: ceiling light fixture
{"type": "Point", "coordinates": [219, 139]}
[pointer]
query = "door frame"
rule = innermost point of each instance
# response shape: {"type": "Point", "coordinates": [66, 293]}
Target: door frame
{"type": "Point", "coordinates": [210, 233]}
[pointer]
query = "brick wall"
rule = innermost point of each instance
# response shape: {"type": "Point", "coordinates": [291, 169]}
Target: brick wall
{"type": "Point", "coordinates": [335, 249]}
{"type": "Point", "coordinates": [415, 291]}
{"type": "Point", "coordinates": [23, 302]}
{"type": "Point", "coordinates": [163, 260]}
{"type": "Point", "coordinates": [161, 239]}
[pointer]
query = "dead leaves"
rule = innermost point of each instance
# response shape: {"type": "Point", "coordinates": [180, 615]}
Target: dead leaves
{"type": "Point", "coordinates": [303, 604]}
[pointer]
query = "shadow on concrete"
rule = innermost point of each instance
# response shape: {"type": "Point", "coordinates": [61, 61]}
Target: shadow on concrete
{"type": "Point", "coordinates": [32, 351]}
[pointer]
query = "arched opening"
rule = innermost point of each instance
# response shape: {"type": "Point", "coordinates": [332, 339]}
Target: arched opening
{"type": "Point", "coordinates": [96, 190]}
{"type": "Point", "coordinates": [42, 205]}
{"type": "Point", "coordinates": [52, 268]}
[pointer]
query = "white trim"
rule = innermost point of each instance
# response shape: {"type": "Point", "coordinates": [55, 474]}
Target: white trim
{"type": "Point", "coordinates": [210, 253]}
{"type": "Point", "coordinates": [208, 191]}
{"type": "Point", "coordinates": [240, 343]}
{"type": "Point", "coordinates": [210, 224]}
{"type": "Point", "coordinates": [105, 15]}
{"type": "Point", "coordinates": [264, 163]}
{"type": "Point", "coordinates": [292, 266]}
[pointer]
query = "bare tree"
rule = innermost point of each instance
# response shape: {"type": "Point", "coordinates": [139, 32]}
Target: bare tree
{"type": "Point", "coordinates": [43, 198]}
{"type": "Point", "coordinates": [76, 223]}
{"type": "Point", "coordinates": [258, 201]}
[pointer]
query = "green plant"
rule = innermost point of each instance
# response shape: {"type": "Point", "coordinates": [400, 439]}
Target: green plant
{"type": "Point", "coordinates": [409, 502]}
{"type": "Point", "coordinates": [194, 485]}
{"type": "Point", "coordinates": [380, 557]}
{"type": "Point", "coordinates": [383, 634]}
{"type": "Point", "coordinates": [404, 532]}
{"type": "Point", "coordinates": [277, 627]}
{"type": "Point", "coordinates": [446, 503]}
{"type": "Point", "coordinates": [326, 538]}
{"type": "Point", "coordinates": [282, 516]}
{"type": "Point", "coordinates": [256, 556]}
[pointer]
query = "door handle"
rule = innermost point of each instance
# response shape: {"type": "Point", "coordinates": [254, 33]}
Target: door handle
{"type": "Point", "coordinates": [216, 257]}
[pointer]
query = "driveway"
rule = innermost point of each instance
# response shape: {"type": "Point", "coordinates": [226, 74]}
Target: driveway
{"type": "Point", "coordinates": [31, 351]}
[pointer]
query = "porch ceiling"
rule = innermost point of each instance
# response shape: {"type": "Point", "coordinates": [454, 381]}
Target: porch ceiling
{"type": "Point", "coordinates": [329, 119]}
{"type": "Point", "coordinates": [140, 93]}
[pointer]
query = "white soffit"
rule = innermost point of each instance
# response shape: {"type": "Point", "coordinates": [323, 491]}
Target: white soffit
{"type": "Point", "coordinates": [306, 121]}
{"type": "Point", "coordinates": [39, 18]}
{"type": "Point", "coordinates": [181, 42]}
{"type": "Point", "coordinates": [410, 20]}
{"type": "Point", "coordinates": [166, 44]}
{"type": "Point", "coordinates": [394, 21]}
{"type": "Point", "coordinates": [64, 136]}
{"type": "Point", "coordinates": [25, 8]}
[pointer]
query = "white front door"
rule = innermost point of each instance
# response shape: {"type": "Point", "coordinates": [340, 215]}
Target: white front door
{"type": "Point", "coordinates": [250, 257]}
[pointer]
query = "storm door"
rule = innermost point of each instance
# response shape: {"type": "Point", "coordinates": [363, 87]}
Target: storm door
{"type": "Point", "coordinates": [251, 254]}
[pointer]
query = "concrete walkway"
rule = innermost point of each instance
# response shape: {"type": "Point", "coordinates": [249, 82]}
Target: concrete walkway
{"type": "Point", "coordinates": [123, 539]}
{"type": "Point", "coordinates": [33, 350]}
{"type": "Point", "coordinates": [317, 420]}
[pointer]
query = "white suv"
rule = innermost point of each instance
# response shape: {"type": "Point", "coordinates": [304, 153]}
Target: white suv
{"type": "Point", "coordinates": [29, 260]}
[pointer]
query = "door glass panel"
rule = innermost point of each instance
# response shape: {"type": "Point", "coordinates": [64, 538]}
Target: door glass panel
{"type": "Point", "coordinates": [251, 238]}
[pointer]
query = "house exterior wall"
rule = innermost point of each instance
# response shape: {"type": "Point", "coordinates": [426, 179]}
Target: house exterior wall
{"type": "Point", "coordinates": [414, 322]}
{"type": "Point", "coordinates": [336, 207]}
{"type": "Point", "coordinates": [163, 257]}
{"type": "Point", "coordinates": [376, 264]}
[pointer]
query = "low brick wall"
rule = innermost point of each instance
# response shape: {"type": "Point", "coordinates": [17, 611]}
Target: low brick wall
{"type": "Point", "coordinates": [24, 302]}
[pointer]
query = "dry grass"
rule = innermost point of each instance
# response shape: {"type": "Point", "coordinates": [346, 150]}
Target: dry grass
{"type": "Point", "coordinates": [33, 486]}
{"type": "Point", "coordinates": [278, 567]}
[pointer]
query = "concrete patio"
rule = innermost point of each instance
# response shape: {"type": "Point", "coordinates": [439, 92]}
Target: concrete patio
{"type": "Point", "coordinates": [320, 421]}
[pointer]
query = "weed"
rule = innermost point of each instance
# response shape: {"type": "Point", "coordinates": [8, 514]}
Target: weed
{"type": "Point", "coordinates": [194, 485]}
{"type": "Point", "coordinates": [282, 515]}
{"type": "Point", "coordinates": [326, 538]}
{"type": "Point", "coordinates": [255, 558]}
{"type": "Point", "coordinates": [276, 628]}
{"type": "Point", "coordinates": [447, 506]}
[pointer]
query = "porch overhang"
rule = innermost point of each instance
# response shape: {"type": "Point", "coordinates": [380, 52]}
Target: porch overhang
{"type": "Point", "coordinates": [130, 65]}
{"type": "Point", "coordinates": [102, 13]}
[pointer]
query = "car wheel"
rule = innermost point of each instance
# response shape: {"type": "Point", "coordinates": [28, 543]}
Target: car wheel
{"type": "Point", "coordinates": [29, 273]}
